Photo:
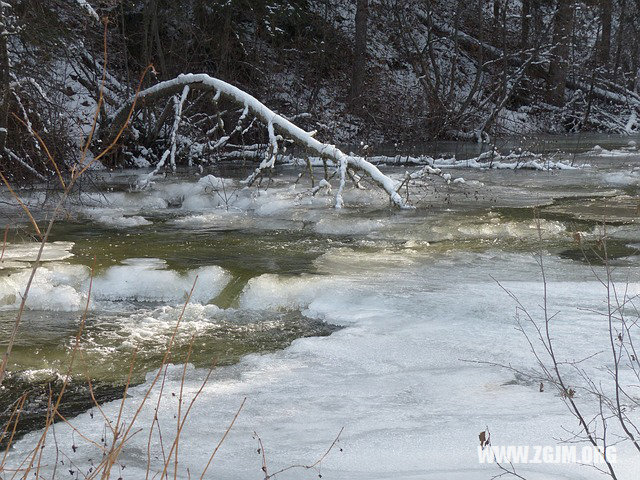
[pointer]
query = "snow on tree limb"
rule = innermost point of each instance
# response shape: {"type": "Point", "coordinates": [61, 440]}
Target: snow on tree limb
{"type": "Point", "coordinates": [273, 121]}
{"type": "Point", "coordinates": [171, 151]}
{"type": "Point", "coordinates": [88, 9]}
{"type": "Point", "coordinates": [176, 124]}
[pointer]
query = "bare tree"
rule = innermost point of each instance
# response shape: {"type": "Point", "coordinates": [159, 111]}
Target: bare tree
{"type": "Point", "coordinates": [4, 79]}
{"type": "Point", "coordinates": [605, 32]}
{"type": "Point", "coordinates": [525, 24]}
{"type": "Point", "coordinates": [559, 65]}
{"type": "Point", "coordinates": [360, 52]}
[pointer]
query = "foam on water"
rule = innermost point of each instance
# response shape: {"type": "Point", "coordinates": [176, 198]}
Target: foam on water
{"type": "Point", "coordinates": [220, 335]}
{"type": "Point", "coordinates": [158, 326]}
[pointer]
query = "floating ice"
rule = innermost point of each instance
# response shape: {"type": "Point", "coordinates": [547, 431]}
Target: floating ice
{"type": "Point", "coordinates": [347, 226]}
{"type": "Point", "coordinates": [148, 280]}
{"type": "Point", "coordinates": [599, 151]}
{"type": "Point", "coordinates": [120, 221]}
{"type": "Point", "coordinates": [622, 178]}
{"type": "Point", "coordinates": [56, 286]}
{"type": "Point", "coordinates": [64, 287]}
{"type": "Point", "coordinates": [277, 292]}
{"type": "Point", "coordinates": [27, 252]}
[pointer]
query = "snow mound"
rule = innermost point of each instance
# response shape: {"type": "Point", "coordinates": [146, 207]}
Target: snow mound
{"type": "Point", "coordinates": [270, 291]}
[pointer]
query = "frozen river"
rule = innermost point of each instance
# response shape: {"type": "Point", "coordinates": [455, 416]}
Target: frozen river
{"type": "Point", "coordinates": [365, 319]}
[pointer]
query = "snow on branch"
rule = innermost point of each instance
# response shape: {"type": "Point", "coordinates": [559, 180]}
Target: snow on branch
{"type": "Point", "coordinates": [171, 151]}
{"type": "Point", "coordinates": [274, 122]}
{"type": "Point", "coordinates": [88, 9]}
{"type": "Point", "coordinates": [269, 157]}
{"type": "Point", "coordinates": [176, 124]}
{"type": "Point", "coordinates": [490, 160]}
{"type": "Point", "coordinates": [224, 140]}
{"type": "Point", "coordinates": [17, 159]}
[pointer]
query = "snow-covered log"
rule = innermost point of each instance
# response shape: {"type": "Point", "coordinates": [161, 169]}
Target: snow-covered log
{"type": "Point", "coordinates": [274, 121]}
{"type": "Point", "coordinates": [624, 97]}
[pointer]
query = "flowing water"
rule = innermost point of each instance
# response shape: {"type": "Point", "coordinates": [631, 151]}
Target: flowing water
{"type": "Point", "coordinates": [367, 318]}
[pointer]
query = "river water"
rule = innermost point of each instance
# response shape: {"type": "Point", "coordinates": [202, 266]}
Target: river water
{"type": "Point", "coordinates": [366, 318]}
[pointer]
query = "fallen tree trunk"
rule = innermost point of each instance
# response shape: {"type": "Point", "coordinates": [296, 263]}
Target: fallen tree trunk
{"type": "Point", "coordinates": [624, 97]}
{"type": "Point", "coordinates": [272, 120]}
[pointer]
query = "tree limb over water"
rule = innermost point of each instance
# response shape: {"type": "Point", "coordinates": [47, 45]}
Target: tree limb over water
{"type": "Point", "coordinates": [273, 121]}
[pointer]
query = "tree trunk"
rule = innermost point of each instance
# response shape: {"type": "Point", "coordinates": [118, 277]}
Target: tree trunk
{"type": "Point", "coordinates": [525, 26]}
{"type": "Point", "coordinates": [622, 25]}
{"type": "Point", "coordinates": [360, 52]}
{"type": "Point", "coordinates": [4, 82]}
{"type": "Point", "coordinates": [496, 12]}
{"type": "Point", "coordinates": [147, 15]}
{"type": "Point", "coordinates": [559, 65]}
{"type": "Point", "coordinates": [605, 38]}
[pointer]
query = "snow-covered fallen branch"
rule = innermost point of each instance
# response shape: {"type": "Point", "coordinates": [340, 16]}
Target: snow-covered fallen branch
{"type": "Point", "coordinates": [490, 159]}
{"type": "Point", "coordinates": [274, 122]}
{"type": "Point", "coordinates": [171, 151]}
{"type": "Point", "coordinates": [626, 97]}
{"type": "Point", "coordinates": [598, 151]}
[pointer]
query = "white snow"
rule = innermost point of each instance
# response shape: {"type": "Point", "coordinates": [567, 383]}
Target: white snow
{"type": "Point", "coordinates": [88, 9]}
{"type": "Point", "coordinates": [395, 378]}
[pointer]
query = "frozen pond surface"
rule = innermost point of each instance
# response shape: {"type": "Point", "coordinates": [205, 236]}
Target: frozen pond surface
{"type": "Point", "coordinates": [366, 318]}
